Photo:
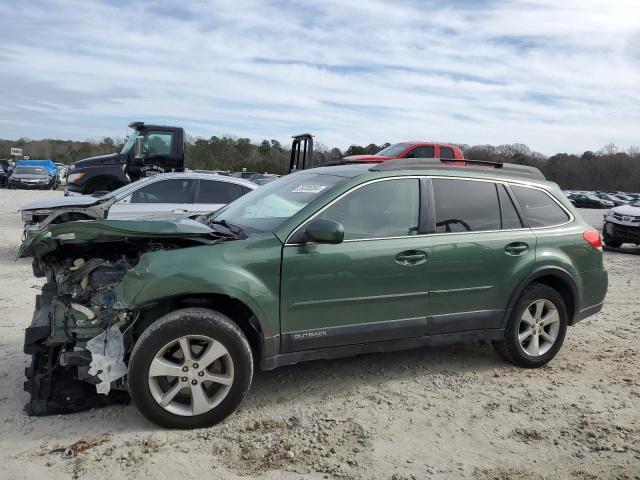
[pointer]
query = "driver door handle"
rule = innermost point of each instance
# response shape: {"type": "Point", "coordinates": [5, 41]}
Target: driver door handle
{"type": "Point", "coordinates": [516, 248]}
{"type": "Point", "coordinates": [411, 257]}
{"type": "Point", "coordinates": [179, 210]}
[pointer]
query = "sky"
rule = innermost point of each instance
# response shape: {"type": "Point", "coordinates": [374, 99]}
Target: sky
{"type": "Point", "coordinates": [559, 76]}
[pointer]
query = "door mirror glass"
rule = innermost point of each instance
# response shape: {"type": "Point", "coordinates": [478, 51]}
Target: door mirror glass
{"type": "Point", "coordinates": [324, 231]}
{"type": "Point", "coordinates": [138, 155]}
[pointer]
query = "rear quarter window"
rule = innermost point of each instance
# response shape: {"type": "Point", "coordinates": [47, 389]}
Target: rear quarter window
{"type": "Point", "coordinates": [539, 208]}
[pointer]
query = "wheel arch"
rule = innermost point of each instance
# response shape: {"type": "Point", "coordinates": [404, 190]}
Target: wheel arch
{"type": "Point", "coordinates": [554, 277]}
{"type": "Point", "coordinates": [240, 313]}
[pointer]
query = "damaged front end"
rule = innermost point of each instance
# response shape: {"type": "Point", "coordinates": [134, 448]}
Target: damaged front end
{"type": "Point", "coordinates": [81, 332]}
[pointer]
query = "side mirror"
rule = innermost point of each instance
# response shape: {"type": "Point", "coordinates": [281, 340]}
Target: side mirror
{"type": "Point", "coordinates": [138, 150]}
{"type": "Point", "coordinates": [324, 231]}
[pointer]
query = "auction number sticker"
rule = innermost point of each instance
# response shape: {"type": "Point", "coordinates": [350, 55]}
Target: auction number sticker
{"type": "Point", "coordinates": [309, 189]}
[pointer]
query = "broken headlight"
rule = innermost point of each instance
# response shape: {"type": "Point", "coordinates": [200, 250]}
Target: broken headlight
{"type": "Point", "coordinates": [28, 215]}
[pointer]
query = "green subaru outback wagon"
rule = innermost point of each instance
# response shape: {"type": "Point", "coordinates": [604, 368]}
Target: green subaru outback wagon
{"type": "Point", "coordinates": [323, 263]}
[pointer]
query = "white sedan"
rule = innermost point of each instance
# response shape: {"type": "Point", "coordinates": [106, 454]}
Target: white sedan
{"type": "Point", "coordinates": [162, 195]}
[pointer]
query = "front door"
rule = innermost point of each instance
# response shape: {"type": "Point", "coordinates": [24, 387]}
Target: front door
{"type": "Point", "coordinates": [371, 287]}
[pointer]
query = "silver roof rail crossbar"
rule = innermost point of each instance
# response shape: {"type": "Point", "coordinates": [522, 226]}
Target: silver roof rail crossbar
{"type": "Point", "coordinates": [457, 164]}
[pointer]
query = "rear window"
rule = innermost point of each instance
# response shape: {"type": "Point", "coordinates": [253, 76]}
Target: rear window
{"type": "Point", "coordinates": [446, 152]}
{"type": "Point", "coordinates": [465, 206]}
{"type": "Point", "coordinates": [539, 208]}
{"type": "Point", "coordinates": [218, 192]}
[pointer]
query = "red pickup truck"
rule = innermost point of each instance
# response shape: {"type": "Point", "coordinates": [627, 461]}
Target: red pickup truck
{"type": "Point", "coordinates": [411, 150]}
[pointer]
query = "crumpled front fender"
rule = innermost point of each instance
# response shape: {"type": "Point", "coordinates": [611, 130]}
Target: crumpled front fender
{"type": "Point", "coordinates": [248, 270]}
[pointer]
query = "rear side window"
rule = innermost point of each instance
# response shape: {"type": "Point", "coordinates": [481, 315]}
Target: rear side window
{"type": "Point", "coordinates": [539, 208]}
{"type": "Point", "coordinates": [446, 152]}
{"type": "Point", "coordinates": [164, 191]}
{"type": "Point", "coordinates": [465, 206]}
{"type": "Point", "coordinates": [508, 213]}
{"type": "Point", "coordinates": [378, 210]}
{"type": "Point", "coordinates": [212, 191]}
{"type": "Point", "coordinates": [426, 151]}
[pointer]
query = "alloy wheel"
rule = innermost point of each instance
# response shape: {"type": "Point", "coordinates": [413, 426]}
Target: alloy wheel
{"type": "Point", "coordinates": [539, 327]}
{"type": "Point", "coordinates": [191, 375]}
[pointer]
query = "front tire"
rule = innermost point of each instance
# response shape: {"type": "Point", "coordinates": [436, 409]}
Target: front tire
{"type": "Point", "coordinates": [190, 369]}
{"type": "Point", "coordinates": [537, 327]}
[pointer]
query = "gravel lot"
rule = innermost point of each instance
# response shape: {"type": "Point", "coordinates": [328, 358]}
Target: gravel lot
{"type": "Point", "coordinates": [450, 412]}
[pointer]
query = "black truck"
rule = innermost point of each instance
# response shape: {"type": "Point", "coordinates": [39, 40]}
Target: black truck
{"type": "Point", "coordinates": [149, 150]}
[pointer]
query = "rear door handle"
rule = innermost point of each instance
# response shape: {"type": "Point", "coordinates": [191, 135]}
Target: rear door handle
{"type": "Point", "coordinates": [411, 257]}
{"type": "Point", "coordinates": [179, 210]}
{"type": "Point", "coordinates": [516, 248]}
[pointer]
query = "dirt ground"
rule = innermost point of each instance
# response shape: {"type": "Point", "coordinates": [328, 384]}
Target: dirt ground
{"type": "Point", "coordinates": [450, 412]}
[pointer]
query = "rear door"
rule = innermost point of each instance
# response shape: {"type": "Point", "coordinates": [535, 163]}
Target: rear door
{"type": "Point", "coordinates": [212, 195]}
{"type": "Point", "coordinates": [479, 253]}
{"type": "Point", "coordinates": [166, 198]}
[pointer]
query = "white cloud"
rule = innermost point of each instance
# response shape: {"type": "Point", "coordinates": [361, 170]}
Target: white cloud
{"type": "Point", "coordinates": [558, 76]}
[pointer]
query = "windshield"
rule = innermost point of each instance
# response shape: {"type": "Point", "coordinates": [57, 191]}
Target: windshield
{"type": "Point", "coordinates": [393, 150]}
{"type": "Point", "coordinates": [30, 171]}
{"type": "Point", "coordinates": [131, 141]}
{"type": "Point", "coordinates": [267, 207]}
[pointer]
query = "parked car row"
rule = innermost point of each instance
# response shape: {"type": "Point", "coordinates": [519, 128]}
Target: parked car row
{"type": "Point", "coordinates": [598, 199]}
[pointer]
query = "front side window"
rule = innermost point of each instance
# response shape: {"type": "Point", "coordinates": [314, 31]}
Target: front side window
{"type": "Point", "coordinates": [539, 208]}
{"type": "Point", "coordinates": [157, 143]}
{"type": "Point", "coordinates": [164, 191]}
{"type": "Point", "coordinates": [212, 191]}
{"type": "Point", "coordinates": [465, 206]}
{"type": "Point", "coordinates": [425, 151]}
{"type": "Point", "coordinates": [383, 209]}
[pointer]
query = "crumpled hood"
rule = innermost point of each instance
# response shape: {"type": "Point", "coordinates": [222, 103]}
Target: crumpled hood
{"type": "Point", "coordinates": [83, 231]}
{"type": "Point", "coordinates": [99, 160]}
{"type": "Point", "coordinates": [55, 202]}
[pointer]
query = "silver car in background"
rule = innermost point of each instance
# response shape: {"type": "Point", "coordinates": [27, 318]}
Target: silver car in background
{"type": "Point", "coordinates": [163, 195]}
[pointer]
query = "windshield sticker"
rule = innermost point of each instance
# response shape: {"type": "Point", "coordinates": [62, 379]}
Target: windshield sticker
{"type": "Point", "coordinates": [309, 189]}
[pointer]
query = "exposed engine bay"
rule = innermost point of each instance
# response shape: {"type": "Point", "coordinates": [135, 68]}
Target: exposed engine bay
{"type": "Point", "coordinates": [82, 331]}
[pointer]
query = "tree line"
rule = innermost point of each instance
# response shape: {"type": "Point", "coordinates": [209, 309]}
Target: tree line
{"type": "Point", "coordinates": [607, 169]}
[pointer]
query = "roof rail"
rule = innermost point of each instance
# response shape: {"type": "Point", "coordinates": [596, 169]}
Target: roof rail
{"type": "Point", "coordinates": [457, 164]}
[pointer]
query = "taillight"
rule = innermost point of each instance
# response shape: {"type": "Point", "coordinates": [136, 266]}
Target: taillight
{"type": "Point", "coordinates": [593, 238]}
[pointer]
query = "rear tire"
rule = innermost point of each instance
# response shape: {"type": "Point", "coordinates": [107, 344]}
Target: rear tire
{"type": "Point", "coordinates": [537, 327]}
{"type": "Point", "coordinates": [196, 391]}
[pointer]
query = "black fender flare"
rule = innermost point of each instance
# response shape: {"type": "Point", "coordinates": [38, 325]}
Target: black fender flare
{"type": "Point", "coordinates": [547, 271]}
